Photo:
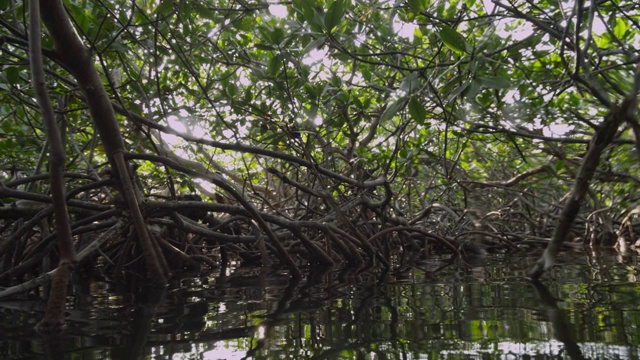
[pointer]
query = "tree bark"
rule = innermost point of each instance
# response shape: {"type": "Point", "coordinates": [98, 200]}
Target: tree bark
{"type": "Point", "coordinates": [54, 315]}
{"type": "Point", "coordinates": [78, 60]}
{"type": "Point", "coordinates": [602, 138]}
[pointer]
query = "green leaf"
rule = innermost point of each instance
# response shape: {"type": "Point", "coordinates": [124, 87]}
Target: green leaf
{"type": "Point", "coordinates": [273, 67]}
{"type": "Point", "coordinates": [454, 40]}
{"type": "Point", "coordinates": [308, 9]}
{"type": "Point", "coordinates": [4, 4]}
{"type": "Point", "coordinates": [445, 90]}
{"type": "Point", "coordinates": [621, 28]}
{"type": "Point", "coordinates": [205, 12]}
{"type": "Point", "coordinates": [418, 5]}
{"type": "Point", "coordinates": [165, 7]}
{"type": "Point", "coordinates": [474, 88]}
{"type": "Point", "coordinates": [494, 82]}
{"type": "Point", "coordinates": [231, 90]}
{"type": "Point", "coordinates": [13, 74]}
{"type": "Point", "coordinates": [558, 166]}
{"type": "Point", "coordinates": [81, 17]}
{"type": "Point", "coordinates": [417, 111]}
{"type": "Point", "coordinates": [277, 36]}
{"type": "Point", "coordinates": [310, 90]}
{"type": "Point", "coordinates": [334, 15]}
{"type": "Point", "coordinates": [457, 91]}
{"type": "Point", "coordinates": [314, 45]}
{"type": "Point", "coordinates": [248, 95]}
{"type": "Point", "coordinates": [393, 109]}
{"type": "Point", "coordinates": [411, 83]}
{"type": "Point", "coordinates": [265, 47]}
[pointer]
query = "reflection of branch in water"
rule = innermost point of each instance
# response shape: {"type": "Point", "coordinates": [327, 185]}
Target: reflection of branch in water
{"type": "Point", "coordinates": [54, 343]}
{"type": "Point", "coordinates": [280, 310]}
{"type": "Point", "coordinates": [141, 325]}
{"type": "Point", "coordinates": [563, 332]}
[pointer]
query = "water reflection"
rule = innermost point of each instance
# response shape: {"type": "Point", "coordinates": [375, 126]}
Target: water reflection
{"type": "Point", "coordinates": [587, 308]}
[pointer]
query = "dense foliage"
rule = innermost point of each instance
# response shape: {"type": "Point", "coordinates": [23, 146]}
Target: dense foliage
{"type": "Point", "coordinates": [322, 131]}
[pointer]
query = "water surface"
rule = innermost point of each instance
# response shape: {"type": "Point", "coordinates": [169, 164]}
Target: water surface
{"type": "Point", "coordinates": [587, 307]}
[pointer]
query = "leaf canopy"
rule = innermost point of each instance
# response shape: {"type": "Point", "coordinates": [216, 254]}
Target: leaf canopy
{"type": "Point", "coordinates": [448, 102]}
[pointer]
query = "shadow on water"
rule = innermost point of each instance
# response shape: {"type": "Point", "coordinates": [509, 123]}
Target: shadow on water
{"type": "Point", "coordinates": [585, 308]}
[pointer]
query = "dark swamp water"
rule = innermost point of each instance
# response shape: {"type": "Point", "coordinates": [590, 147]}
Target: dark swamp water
{"type": "Point", "coordinates": [585, 308]}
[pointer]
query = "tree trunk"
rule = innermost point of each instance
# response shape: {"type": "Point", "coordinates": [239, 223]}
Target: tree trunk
{"type": "Point", "coordinates": [603, 137]}
{"type": "Point", "coordinates": [78, 61]}
{"type": "Point", "coordinates": [54, 316]}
